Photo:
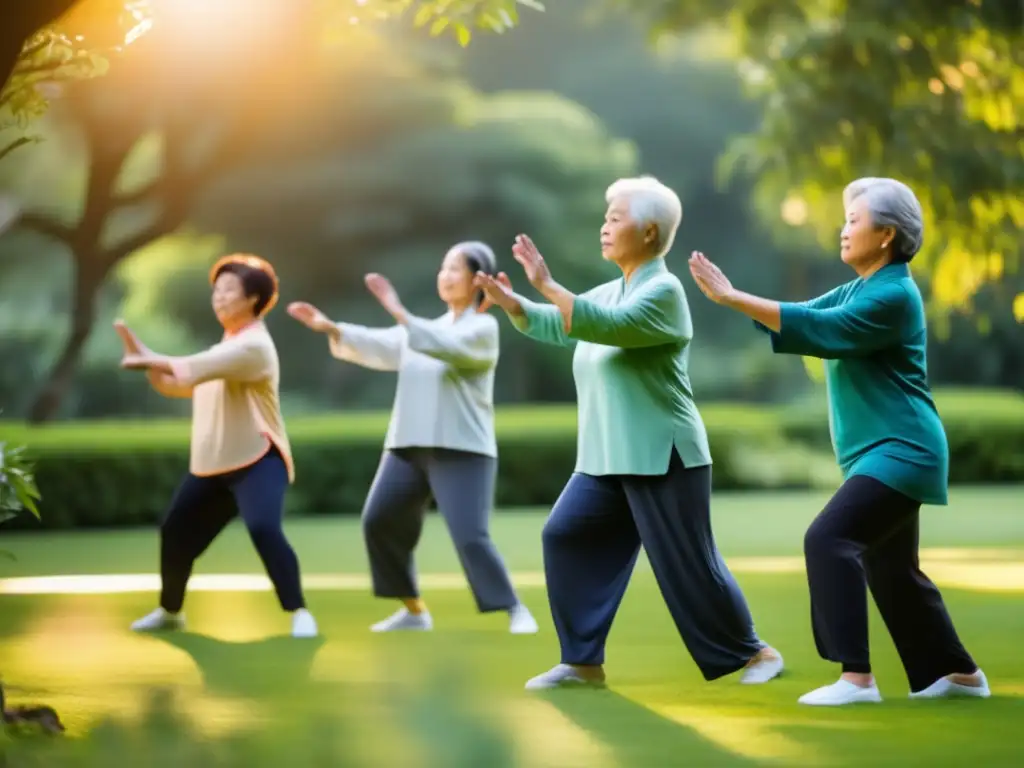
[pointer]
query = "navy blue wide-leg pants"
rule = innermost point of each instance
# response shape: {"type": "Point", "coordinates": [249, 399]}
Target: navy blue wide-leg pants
{"type": "Point", "coordinates": [591, 543]}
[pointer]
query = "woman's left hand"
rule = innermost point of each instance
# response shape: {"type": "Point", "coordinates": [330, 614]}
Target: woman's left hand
{"type": "Point", "coordinates": [710, 279]}
{"type": "Point", "coordinates": [526, 253]}
{"type": "Point", "coordinates": [386, 294]}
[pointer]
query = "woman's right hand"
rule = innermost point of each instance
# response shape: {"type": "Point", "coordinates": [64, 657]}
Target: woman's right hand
{"type": "Point", "coordinates": [497, 292]}
{"type": "Point", "coordinates": [130, 342]}
{"type": "Point", "coordinates": [311, 317]}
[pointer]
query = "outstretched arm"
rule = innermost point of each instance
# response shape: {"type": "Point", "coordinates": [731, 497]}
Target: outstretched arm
{"type": "Point", "coordinates": [379, 349]}
{"type": "Point", "coordinates": [653, 316]}
{"type": "Point", "coordinates": [246, 357]}
{"type": "Point", "coordinates": [540, 322]}
{"type": "Point", "coordinates": [471, 344]}
{"type": "Point", "coordinates": [861, 326]}
{"type": "Point", "coordinates": [825, 301]}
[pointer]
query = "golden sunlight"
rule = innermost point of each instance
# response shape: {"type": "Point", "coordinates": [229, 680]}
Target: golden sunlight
{"type": "Point", "coordinates": [547, 738]}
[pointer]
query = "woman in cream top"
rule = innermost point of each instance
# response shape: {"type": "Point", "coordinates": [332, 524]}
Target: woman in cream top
{"type": "Point", "coordinates": [440, 441]}
{"type": "Point", "coordinates": [240, 462]}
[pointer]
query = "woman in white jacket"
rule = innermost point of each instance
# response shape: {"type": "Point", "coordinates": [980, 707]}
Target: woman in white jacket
{"type": "Point", "coordinates": [440, 441]}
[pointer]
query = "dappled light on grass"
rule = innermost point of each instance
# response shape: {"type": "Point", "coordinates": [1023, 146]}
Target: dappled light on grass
{"type": "Point", "coordinates": [85, 642]}
{"type": "Point", "coordinates": [748, 733]}
{"type": "Point", "coordinates": [348, 660]}
{"type": "Point", "coordinates": [244, 617]}
{"type": "Point", "coordinates": [546, 738]}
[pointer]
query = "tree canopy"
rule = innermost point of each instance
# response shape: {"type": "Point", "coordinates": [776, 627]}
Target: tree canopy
{"type": "Point", "coordinates": [45, 43]}
{"type": "Point", "coordinates": [928, 92]}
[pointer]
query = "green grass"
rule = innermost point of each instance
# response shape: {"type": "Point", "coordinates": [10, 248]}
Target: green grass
{"type": "Point", "coordinates": [233, 692]}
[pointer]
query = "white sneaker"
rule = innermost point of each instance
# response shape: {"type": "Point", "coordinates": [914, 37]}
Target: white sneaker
{"type": "Point", "coordinates": [521, 621]}
{"type": "Point", "coordinates": [159, 621]}
{"type": "Point", "coordinates": [303, 624]}
{"type": "Point", "coordinates": [943, 688]}
{"type": "Point", "coordinates": [560, 676]}
{"type": "Point", "coordinates": [402, 619]}
{"type": "Point", "coordinates": [763, 670]}
{"type": "Point", "coordinates": [841, 692]}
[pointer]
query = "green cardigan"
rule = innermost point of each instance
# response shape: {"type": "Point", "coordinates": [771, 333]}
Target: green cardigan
{"type": "Point", "coordinates": [883, 421]}
{"type": "Point", "coordinates": [633, 392]}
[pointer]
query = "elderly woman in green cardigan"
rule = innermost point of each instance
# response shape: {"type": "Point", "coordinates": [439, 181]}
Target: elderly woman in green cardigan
{"type": "Point", "coordinates": [643, 469]}
{"type": "Point", "coordinates": [889, 442]}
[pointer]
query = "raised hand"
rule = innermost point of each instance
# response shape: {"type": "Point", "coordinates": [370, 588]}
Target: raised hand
{"type": "Point", "coordinates": [488, 302]}
{"type": "Point", "coordinates": [526, 253]}
{"type": "Point", "coordinates": [310, 316]}
{"type": "Point", "coordinates": [130, 342]}
{"type": "Point", "coordinates": [497, 292]}
{"type": "Point", "coordinates": [709, 278]}
{"type": "Point", "coordinates": [386, 294]}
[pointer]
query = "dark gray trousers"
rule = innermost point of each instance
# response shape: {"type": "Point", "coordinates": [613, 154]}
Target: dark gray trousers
{"type": "Point", "coordinates": [462, 484]}
{"type": "Point", "coordinates": [591, 543]}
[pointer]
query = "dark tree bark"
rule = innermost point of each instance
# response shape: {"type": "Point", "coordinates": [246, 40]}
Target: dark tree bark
{"type": "Point", "coordinates": [19, 20]}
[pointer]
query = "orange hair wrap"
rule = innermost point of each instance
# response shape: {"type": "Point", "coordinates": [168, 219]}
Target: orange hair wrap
{"type": "Point", "coordinates": [253, 262]}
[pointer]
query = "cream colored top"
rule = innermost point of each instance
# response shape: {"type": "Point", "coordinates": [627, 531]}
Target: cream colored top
{"type": "Point", "coordinates": [236, 407]}
{"type": "Point", "coordinates": [445, 392]}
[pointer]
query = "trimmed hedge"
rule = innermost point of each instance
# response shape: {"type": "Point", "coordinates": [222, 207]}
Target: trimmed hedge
{"type": "Point", "coordinates": [985, 430]}
{"type": "Point", "coordinates": [121, 473]}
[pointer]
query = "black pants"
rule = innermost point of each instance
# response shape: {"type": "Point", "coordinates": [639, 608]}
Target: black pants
{"type": "Point", "coordinates": [591, 543]}
{"type": "Point", "coordinates": [203, 506]}
{"type": "Point", "coordinates": [868, 535]}
{"type": "Point", "coordinates": [462, 484]}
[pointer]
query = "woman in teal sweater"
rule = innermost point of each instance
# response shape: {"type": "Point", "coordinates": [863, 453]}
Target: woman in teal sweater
{"type": "Point", "coordinates": [643, 469]}
{"type": "Point", "coordinates": [889, 442]}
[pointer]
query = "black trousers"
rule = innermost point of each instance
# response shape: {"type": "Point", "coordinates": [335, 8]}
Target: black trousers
{"type": "Point", "coordinates": [591, 543]}
{"type": "Point", "coordinates": [867, 537]}
{"type": "Point", "coordinates": [203, 506]}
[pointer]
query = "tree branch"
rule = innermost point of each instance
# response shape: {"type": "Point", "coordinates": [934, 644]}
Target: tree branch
{"type": "Point", "coordinates": [21, 141]}
{"type": "Point", "coordinates": [47, 225]}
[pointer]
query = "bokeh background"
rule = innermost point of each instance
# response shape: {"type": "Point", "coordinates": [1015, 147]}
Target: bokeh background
{"type": "Point", "coordinates": [140, 141]}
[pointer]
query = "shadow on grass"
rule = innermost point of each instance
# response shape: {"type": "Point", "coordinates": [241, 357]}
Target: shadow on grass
{"type": "Point", "coordinates": [636, 735]}
{"type": "Point", "coordinates": [254, 669]}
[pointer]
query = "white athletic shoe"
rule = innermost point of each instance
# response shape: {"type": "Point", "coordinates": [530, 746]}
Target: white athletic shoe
{"type": "Point", "coordinates": [402, 619]}
{"type": "Point", "coordinates": [561, 676]}
{"type": "Point", "coordinates": [303, 624]}
{"type": "Point", "coordinates": [159, 621]}
{"type": "Point", "coordinates": [841, 692]}
{"type": "Point", "coordinates": [943, 688]}
{"type": "Point", "coordinates": [764, 670]}
{"type": "Point", "coordinates": [521, 621]}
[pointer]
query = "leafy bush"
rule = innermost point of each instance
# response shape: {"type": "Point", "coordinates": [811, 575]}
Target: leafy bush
{"type": "Point", "coordinates": [108, 473]}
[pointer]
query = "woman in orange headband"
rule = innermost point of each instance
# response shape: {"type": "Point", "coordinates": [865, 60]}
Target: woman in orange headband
{"type": "Point", "coordinates": [241, 461]}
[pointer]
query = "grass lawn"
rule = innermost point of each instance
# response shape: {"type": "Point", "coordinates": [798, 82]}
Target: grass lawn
{"type": "Point", "coordinates": [233, 691]}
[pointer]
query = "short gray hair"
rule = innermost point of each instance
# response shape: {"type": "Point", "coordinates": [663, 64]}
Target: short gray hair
{"type": "Point", "coordinates": [650, 202]}
{"type": "Point", "coordinates": [893, 204]}
{"type": "Point", "coordinates": [479, 256]}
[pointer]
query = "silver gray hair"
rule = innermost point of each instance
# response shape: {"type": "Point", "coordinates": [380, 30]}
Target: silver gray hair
{"type": "Point", "coordinates": [893, 204]}
{"type": "Point", "coordinates": [650, 202]}
{"type": "Point", "coordinates": [479, 258]}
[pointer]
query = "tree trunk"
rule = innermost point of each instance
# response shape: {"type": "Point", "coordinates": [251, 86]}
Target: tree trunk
{"type": "Point", "coordinates": [21, 20]}
{"type": "Point", "coordinates": [83, 316]}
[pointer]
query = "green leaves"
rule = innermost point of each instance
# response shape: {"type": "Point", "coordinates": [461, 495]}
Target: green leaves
{"type": "Point", "coordinates": [18, 489]}
{"type": "Point", "coordinates": [930, 93]}
{"type": "Point", "coordinates": [456, 17]}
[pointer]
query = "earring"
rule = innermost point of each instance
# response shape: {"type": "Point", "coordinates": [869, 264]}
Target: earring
{"type": "Point", "coordinates": [885, 245]}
